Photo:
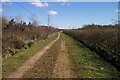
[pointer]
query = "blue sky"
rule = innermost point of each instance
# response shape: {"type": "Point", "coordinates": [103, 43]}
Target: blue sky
{"type": "Point", "coordinates": [64, 15]}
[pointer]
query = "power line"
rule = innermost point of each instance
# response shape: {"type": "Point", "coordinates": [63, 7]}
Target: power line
{"type": "Point", "coordinates": [24, 8]}
{"type": "Point", "coordinates": [13, 9]}
{"type": "Point", "coordinates": [32, 13]}
{"type": "Point", "coordinates": [29, 12]}
{"type": "Point", "coordinates": [9, 8]}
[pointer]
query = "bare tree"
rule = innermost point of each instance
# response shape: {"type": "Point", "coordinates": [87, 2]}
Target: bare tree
{"type": "Point", "coordinates": [18, 19]}
{"type": "Point", "coordinates": [34, 20]}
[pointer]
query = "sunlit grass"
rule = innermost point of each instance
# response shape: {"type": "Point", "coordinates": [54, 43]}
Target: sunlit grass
{"type": "Point", "coordinates": [89, 64]}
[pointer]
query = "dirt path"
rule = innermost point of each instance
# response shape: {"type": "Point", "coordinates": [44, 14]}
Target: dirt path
{"type": "Point", "coordinates": [31, 61]}
{"type": "Point", "coordinates": [62, 66]}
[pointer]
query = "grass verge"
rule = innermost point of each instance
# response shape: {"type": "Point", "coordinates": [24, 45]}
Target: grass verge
{"type": "Point", "coordinates": [87, 64]}
{"type": "Point", "coordinates": [10, 64]}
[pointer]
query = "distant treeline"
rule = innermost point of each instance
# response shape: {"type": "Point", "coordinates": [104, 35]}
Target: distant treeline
{"type": "Point", "coordinates": [103, 39]}
{"type": "Point", "coordinates": [19, 35]}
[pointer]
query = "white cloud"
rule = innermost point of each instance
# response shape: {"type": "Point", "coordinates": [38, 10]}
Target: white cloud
{"type": "Point", "coordinates": [5, 1]}
{"type": "Point", "coordinates": [33, 0]}
{"type": "Point", "coordinates": [39, 4]}
{"type": "Point", "coordinates": [36, 3]}
{"type": "Point", "coordinates": [53, 12]}
{"type": "Point", "coordinates": [62, 0]}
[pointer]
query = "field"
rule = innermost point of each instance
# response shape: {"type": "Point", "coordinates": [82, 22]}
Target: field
{"type": "Point", "coordinates": [61, 39]}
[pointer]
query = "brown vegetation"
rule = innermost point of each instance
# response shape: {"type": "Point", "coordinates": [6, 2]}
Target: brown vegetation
{"type": "Point", "coordinates": [102, 39]}
{"type": "Point", "coordinates": [18, 35]}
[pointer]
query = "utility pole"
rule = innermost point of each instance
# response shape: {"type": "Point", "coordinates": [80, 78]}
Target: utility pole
{"type": "Point", "coordinates": [48, 20]}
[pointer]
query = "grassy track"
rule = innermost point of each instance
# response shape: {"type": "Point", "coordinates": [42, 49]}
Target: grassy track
{"type": "Point", "coordinates": [45, 65]}
{"type": "Point", "coordinates": [11, 63]}
{"type": "Point", "coordinates": [87, 64]}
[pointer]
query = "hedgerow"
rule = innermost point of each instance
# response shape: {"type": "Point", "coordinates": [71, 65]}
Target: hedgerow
{"type": "Point", "coordinates": [104, 40]}
{"type": "Point", "coordinates": [17, 36]}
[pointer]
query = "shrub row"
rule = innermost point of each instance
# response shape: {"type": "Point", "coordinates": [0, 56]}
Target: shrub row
{"type": "Point", "coordinates": [20, 35]}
